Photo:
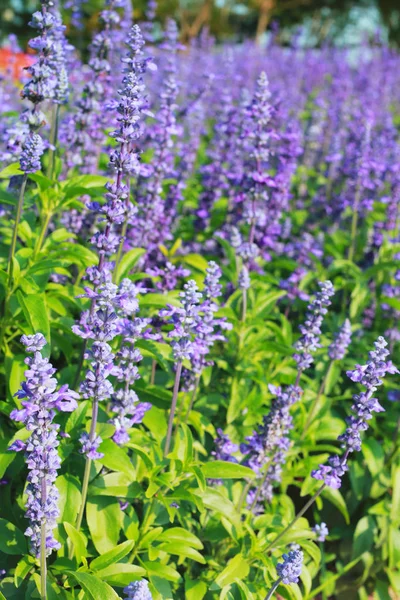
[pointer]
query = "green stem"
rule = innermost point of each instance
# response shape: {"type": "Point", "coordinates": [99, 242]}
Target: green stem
{"type": "Point", "coordinates": [345, 569]}
{"type": "Point", "coordinates": [120, 249]}
{"type": "Point", "coordinates": [43, 560]}
{"type": "Point", "coordinates": [243, 495]}
{"type": "Point", "coordinates": [354, 223]}
{"type": "Point", "coordinates": [86, 475]}
{"type": "Point", "coordinates": [53, 139]}
{"type": "Point", "coordinates": [80, 365]}
{"type": "Point", "coordinates": [193, 398]}
{"type": "Point", "coordinates": [153, 371]}
{"type": "Point", "coordinates": [13, 246]}
{"type": "Point", "coordinates": [260, 486]}
{"type": "Point", "coordinates": [173, 407]}
{"type": "Point", "coordinates": [297, 517]}
{"type": "Point", "coordinates": [323, 570]}
{"type": "Point", "coordinates": [244, 304]}
{"type": "Point", "coordinates": [314, 404]}
{"type": "Point", "coordinates": [272, 590]}
{"type": "Point", "coordinates": [42, 235]}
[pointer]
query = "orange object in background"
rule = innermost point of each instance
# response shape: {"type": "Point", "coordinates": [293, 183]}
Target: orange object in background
{"type": "Point", "coordinates": [14, 62]}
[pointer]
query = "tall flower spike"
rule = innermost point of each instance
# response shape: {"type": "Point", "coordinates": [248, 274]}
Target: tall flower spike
{"type": "Point", "coordinates": [290, 569]}
{"type": "Point", "coordinates": [311, 330]}
{"type": "Point", "coordinates": [58, 61]}
{"type": "Point", "coordinates": [266, 449]}
{"type": "Point", "coordinates": [125, 402]}
{"type": "Point", "coordinates": [40, 402]}
{"type": "Point", "coordinates": [338, 348]}
{"type": "Point", "coordinates": [370, 376]}
{"type": "Point", "coordinates": [40, 87]}
{"type": "Point", "coordinates": [83, 131]}
{"type": "Point", "coordinates": [152, 226]}
{"type": "Point", "coordinates": [184, 321]}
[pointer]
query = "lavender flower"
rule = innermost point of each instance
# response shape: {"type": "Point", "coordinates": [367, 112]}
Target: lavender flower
{"type": "Point", "coordinates": [184, 321]}
{"type": "Point", "coordinates": [32, 151]}
{"type": "Point", "coordinates": [290, 569]}
{"type": "Point", "coordinates": [338, 348]}
{"type": "Point", "coordinates": [138, 590]}
{"type": "Point", "coordinates": [125, 402]}
{"type": "Point", "coordinates": [321, 531]}
{"type": "Point", "coordinates": [39, 88]}
{"type": "Point", "coordinates": [83, 131]}
{"type": "Point", "coordinates": [244, 278]}
{"type": "Point", "coordinates": [152, 225]}
{"type": "Point", "coordinates": [265, 450]}
{"type": "Point", "coordinates": [224, 447]}
{"type": "Point", "coordinates": [370, 376]}
{"type": "Point", "coordinates": [311, 330]}
{"type": "Point", "coordinates": [168, 276]}
{"type": "Point", "coordinates": [40, 401]}
{"type": "Point", "coordinates": [58, 61]}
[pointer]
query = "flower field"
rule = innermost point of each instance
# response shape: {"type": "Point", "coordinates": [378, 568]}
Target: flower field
{"type": "Point", "coordinates": [200, 303]}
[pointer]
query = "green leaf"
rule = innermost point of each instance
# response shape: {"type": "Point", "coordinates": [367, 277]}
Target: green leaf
{"type": "Point", "coordinates": [12, 540]}
{"type": "Point", "coordinates": [10, 171]}
{"type": "Point", "coordinates": [219, 469]}
{"type": "Point", "coordinates": [112, 556]}
{"type": "Point", "coordinates": [69, 503]}
{"type": "Point", "coordinates": [104, 517]}
{"type": "Point", "coordinates": [336, 498]}
{"type": "Point", "coordinates": [128, 261]}
{"type": "Point", "coordinates": [195, 590]}
{"type": "Point", "coordinates": [164, 571]}
{"type": "Point", "coordinates": [94, 587]}
{"type": "Point", "coordinates": [115, 484]}
{"type": "Point", "coordinates": [116, 459]}
{"type": "Point", "coordinates": [215, 500]}
{"type": "Point", "coordinates": [78, 541]}
{"type": "Point", "coordinates": [178, 534]}
{"type": "Point", "coordinates": [162, 353]}
{"type": "Point", "coordinates": [395, 505]}
{"type": "Point", "coordinates": [196, 261]}
{"type": "Point", "coordinates": [237, 568]}
{"type": "Point", "coordinates": [181, 549]}
{"type": "Point", "coordinates": [363, 536]}
{"type": "Point", "coordinates": [36, 314]}
{"type": "Point", "coordinates": [22, 569]}
{"type": "Point", "coordinates": [159, 300]}
{"type": "Point", "coordinates": [121, 574]}
{"type": "Point", "coordinates": [77, 417]}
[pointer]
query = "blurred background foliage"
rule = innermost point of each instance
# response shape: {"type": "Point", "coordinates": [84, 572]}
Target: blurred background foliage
{"type": "Point", "coordinates": [310, 22]}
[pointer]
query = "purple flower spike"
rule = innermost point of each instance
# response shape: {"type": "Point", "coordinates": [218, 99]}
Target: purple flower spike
{"type": "Point", "coordinates": [184, 321]}
{"type": "Point", "coordinates": [138, 590]}
{"type": "Point", "coordinates": [89, 448]}
{"type": "Point", "coordinates": [370, 376]}
{"type": "Point", "coordinates": [38, 410]}
{"type": "Point", "coordinates": [338, 348]}
{"type": "Point", "coordinates": [311, 330]}
{"type": "Point", "coordinates": [290, 569]}
{"type": "Point", "coordinates": [244, 278]}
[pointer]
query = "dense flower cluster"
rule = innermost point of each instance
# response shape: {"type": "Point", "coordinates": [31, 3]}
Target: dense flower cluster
{"type": "Point", "coordinates": [138, 590]}
{"type": "Point", "coordinates": [290, 569]}
{"type": "Point", "coordinates": [40, 401]}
